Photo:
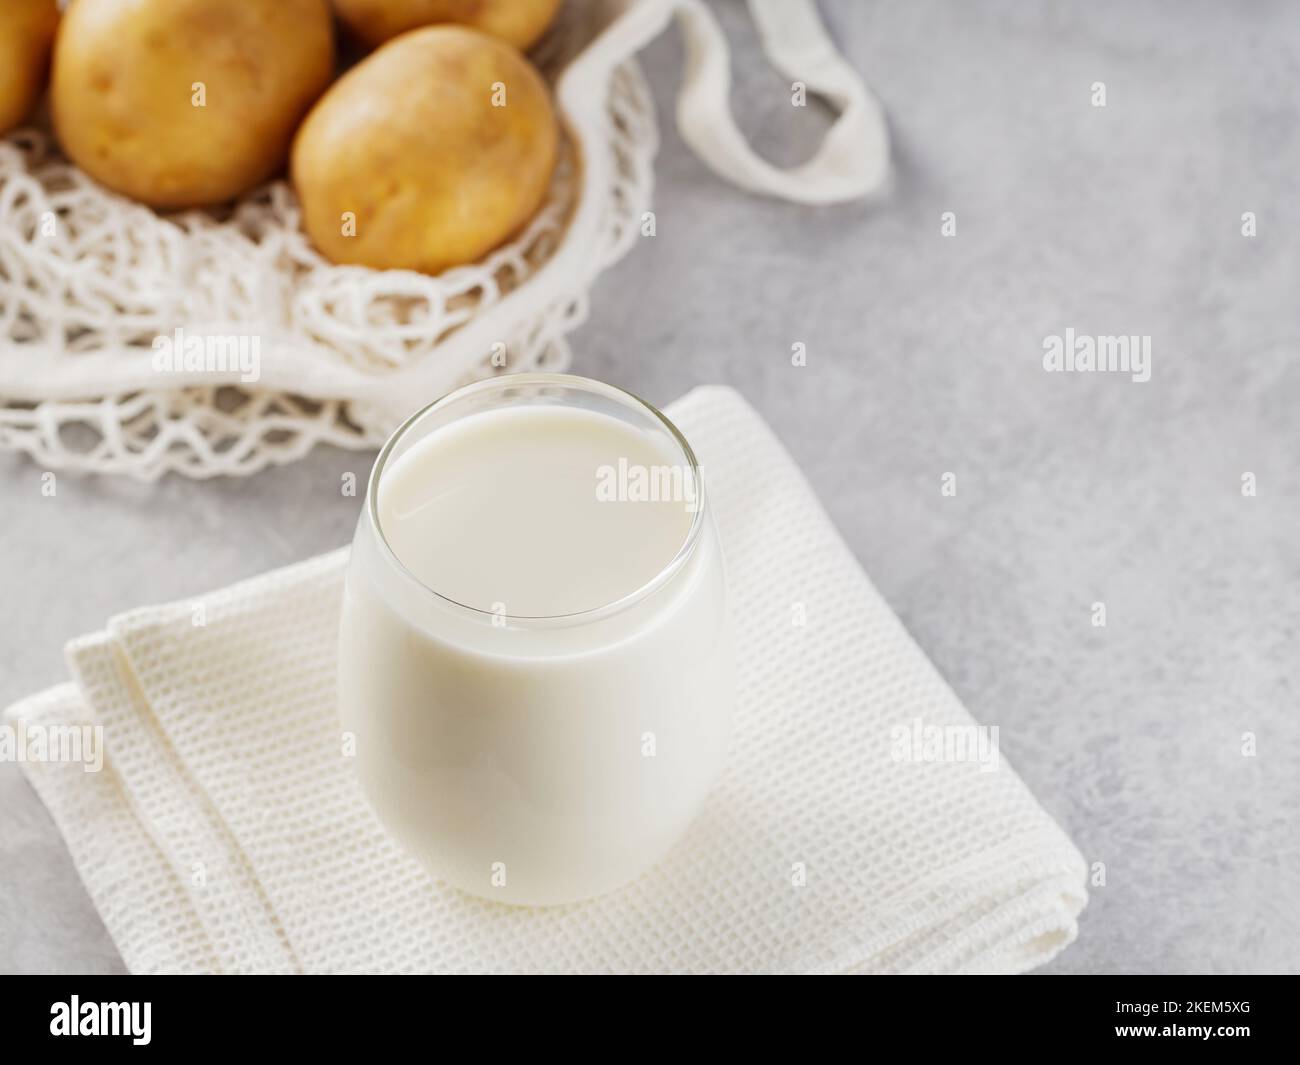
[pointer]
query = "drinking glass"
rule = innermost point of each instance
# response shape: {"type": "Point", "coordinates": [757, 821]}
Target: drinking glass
{"type": "Point", "coordinates": [537, 760]}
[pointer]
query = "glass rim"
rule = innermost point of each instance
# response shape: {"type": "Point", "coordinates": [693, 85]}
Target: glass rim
{"type": "Point", "coordinates": [572, 381]}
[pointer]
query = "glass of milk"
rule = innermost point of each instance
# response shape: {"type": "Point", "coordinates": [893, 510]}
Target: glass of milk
{"type": "Point", "coordinates": [535, 654]}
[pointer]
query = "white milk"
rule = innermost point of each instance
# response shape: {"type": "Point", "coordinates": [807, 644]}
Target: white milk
{"type": "Point", "coordinates": [544, 727]}
{"type": "Point", "coordinates": [504, 508]}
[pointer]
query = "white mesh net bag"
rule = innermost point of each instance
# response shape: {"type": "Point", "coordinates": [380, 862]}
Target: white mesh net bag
{"type": "Point", "coordinates": [90, 282]}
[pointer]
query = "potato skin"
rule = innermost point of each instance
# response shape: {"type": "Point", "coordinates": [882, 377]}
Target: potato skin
{"type": "Point", "coordinates": [410, 144]}
{"type": "Point", "coordinates": [123, 81]}
{"type": "Point", "coordinates": [517, 22]}
{"type": "Point", "coordinates": [26, 36]}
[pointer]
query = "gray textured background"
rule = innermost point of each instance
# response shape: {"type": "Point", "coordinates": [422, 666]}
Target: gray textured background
{"type": "Point", "coordinates": [924, 357]}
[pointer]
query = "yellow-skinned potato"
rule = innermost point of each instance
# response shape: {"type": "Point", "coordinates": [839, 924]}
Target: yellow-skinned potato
{"type": "Point", "coordinates": [183, 103]}
{"type": "Point", "coordinates": [517, 22]}
{"type": "Point", "coordinates": [26, 35]}
{"type": "Point", "coordinates": [407, 162]}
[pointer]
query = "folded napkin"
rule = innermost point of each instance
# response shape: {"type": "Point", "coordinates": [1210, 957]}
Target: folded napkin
{"type": "Point", "coordinates": [226, 833]}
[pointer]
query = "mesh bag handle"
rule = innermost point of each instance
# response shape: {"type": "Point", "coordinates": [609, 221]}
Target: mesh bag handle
{"type": "Point", "coordinates": [853, 159]}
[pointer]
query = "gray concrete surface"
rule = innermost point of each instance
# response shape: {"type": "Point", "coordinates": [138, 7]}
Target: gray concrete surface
{"type": "Point", "coordinates": [924, 357]}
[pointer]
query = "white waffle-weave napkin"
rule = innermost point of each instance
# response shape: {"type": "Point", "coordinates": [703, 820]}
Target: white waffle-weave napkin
{"type": "Point", "coordinates": [226, 833]}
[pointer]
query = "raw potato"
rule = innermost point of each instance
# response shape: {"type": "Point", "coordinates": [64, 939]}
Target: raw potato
{"type": "Point", "coordinates": [408, 152]}
{"type": "Point", "coordinates": [517, 22]}
{"type": "Point", "coordinates": [125, 92]}
{"type": "Point", "coordinates": [26, 34]}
